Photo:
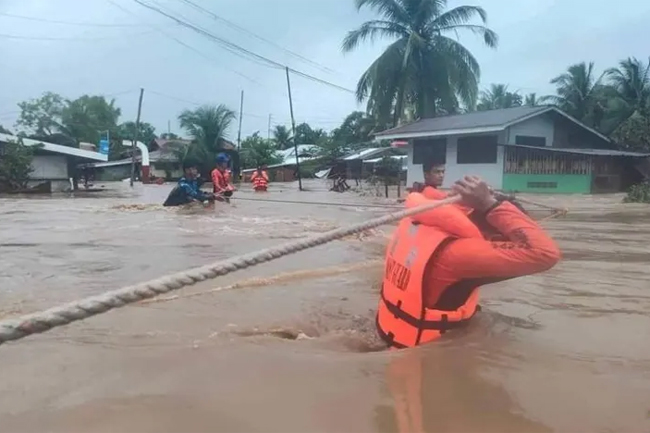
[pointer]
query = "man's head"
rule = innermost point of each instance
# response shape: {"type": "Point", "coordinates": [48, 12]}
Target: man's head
{"type": "Point", "coordinates": [222, 161]}
{"type": "Point", "coordinates": [190, 170]}
{"type": "Point", "coordinates": [434, 174]}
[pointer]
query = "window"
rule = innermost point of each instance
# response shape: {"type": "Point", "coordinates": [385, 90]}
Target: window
{"type": "Point", "coordinates": [547, 185]}
{"type": "Point", "coordinates": [430, 150]}
{"type": "Point", "coordinates": [480, 149]}
{"type": "Point", "coordinates": [527, 140]}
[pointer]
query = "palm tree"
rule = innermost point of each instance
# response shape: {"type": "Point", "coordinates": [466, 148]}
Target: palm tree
{"type": "Point", "coordinates": [497, 96]}
{"type": "Point", "coordinates": [580, 94]}
{"type": "Point", "coordinates": [282, 137]}
{"type": "Point", "coordinates": [423, 67]}
{"type": "Point", "coordinates": [631, 81]}
{"type": "Point", "coordinates": [208, 125]}
{"type": "Point", "coordinates": [531, 100]}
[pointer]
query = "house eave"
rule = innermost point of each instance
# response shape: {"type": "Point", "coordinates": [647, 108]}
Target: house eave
{"type": "Point", "coordinates": [442, 133]}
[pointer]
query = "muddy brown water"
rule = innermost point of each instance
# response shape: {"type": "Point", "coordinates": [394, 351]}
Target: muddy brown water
{"type": "Point", "coordinates": [567, 350]}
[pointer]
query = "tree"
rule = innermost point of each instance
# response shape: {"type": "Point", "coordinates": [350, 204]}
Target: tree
{"type": "Point", "coordinates": [15, 164]}
{"type": "Point", "coordinates": [208, 125]}
{"type": "Point", "coordinates": [631, 84]}
{"type": "Point", "coordinates": [633, 134]}
{"type": "Point", "coordinates": [42, 116]}
{"type": "Point", "coordinates": [498, 96]}
{"type": "Point", "coordinates": [423, 68]}
{"type": "Point", "coordinates": [87, 118]}
{"type": "Point", "coordinates": [306, 135]}
{"type": "Point", "coordinates": [146, 132]}
{"type": "Point", "coordinates": [580, 94]}
{"type": "Point", "coordinates": [256, 151]}
{"type": "Point", "coordinates": [282, 137]}
{"type": "Point", "coordinates": [531, 100]}
{"type": "Point", "coordinates": [357, 128]}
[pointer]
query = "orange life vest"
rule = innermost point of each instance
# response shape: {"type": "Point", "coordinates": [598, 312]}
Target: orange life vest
{"type": "Point", "coordinates": [402, 319]}
{"type": "Point", "coordinates": [260, 180]}
{"type": "Point", "coordinates": [227, 175]}
{"type": "Point", "coordinates": [220, 181]}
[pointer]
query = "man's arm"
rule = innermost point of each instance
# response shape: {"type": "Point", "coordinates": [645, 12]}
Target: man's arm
{"type": "Point", "coordinates": [527, 250]}
{"type": "Point", "coordinates": [191, 192]}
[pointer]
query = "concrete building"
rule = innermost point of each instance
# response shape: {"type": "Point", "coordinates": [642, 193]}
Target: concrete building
{"type": "Point", "coordinates": [522, 149]}
{"type": "Point", "coordinates": [54, 163]}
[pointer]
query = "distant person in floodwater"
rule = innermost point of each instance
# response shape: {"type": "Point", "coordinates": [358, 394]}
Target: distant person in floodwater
{"type": "Point", "coordinates": [437, 260]}
{"type": "Point", "coordinates": [260, 179]}
{"type": "Point", "coordinates": [188, 190]}
{"type": "Point", "coordinates": [434, 176]}
{"type": "Point", "coordinates": [221, 186]}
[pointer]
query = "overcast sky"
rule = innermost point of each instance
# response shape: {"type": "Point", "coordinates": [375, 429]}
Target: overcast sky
{"type": "Point", "coordinates": [129, 46]}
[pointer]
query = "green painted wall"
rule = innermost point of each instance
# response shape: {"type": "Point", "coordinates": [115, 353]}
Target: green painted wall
{"type": "Point", "coordinates": [543, 183]}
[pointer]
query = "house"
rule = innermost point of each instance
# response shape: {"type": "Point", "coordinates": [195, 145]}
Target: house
{"type": "Point", "coordinates": [53, 163]}
{"type": "Point", "coordinates": [521, 149]}
{"type": "Point", "coordinates": [360, 164]}
{"type": "Point", "coordinates": [163, 162]}
{"type": "Point", "coordinates": [285, 171]}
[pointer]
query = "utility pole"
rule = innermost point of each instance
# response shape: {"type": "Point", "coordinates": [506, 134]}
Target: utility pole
{"type": "Point", "coordinates": [169, 127]}
{"type": "Point", "coordinates": [268, 136]}
{"type": "Point", "coordinates": [293, 129]}
{"type": "Point", "coordinates": [135, 137]}
{"type": "Point", "coordinates": [241, 114]}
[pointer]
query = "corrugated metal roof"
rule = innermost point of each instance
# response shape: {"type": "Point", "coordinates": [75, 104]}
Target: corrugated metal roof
{"type": "Point", "coordinates": [57, 148]}
{"type": "Point", "coordinates": [476, 119]}
{"type": "Point", "coordinates": [366, 153]}
{"type": "Point", "coordinates": [593, 152]}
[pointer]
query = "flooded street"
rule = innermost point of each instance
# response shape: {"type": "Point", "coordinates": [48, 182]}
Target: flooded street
{"type": "Point", "coordinates": [293, 349]}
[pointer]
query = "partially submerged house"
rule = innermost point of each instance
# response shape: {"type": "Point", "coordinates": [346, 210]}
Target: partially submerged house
{"type": "Point", "coordinates": [522, 149]}
{"type": "Point", "coordinates": [54, 164]}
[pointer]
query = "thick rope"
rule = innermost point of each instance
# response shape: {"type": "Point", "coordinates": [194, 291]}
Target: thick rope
{"type": "Point", "coordinates": [43, 321]}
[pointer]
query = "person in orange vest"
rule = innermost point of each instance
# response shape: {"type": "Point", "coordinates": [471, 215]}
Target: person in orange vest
{"type": "Point", "coordinates": [437, 260]}
{"type": "Point", "coordinates": [221, 186]}
{"type": "Point", "coordinates": [260, 179]}
{"type": "Point", "coordinates": [434, 176]}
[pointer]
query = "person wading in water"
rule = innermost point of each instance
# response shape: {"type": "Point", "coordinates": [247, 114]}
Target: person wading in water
{"type": "Point", "coordinates": [188, 190]}
{"type": "Point", "coordinates": [221, 186]}
{"type": "Point", "coordinates": [437, 260]}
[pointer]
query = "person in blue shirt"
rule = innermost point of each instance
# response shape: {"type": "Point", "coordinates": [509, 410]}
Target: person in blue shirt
{"type": "Point", "coordinates": [188, 190]}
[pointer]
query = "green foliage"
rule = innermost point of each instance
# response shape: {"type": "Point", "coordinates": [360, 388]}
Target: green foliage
{"type": "Point", "coordinates": [208, 125]}
{"type": "Point", "coordinates": [639, 193]}
{"type": "Point", "coordinates": [256, 151]}
{"type": "Point", "coordinates": [306, 135]}
{"type": "Point", "coordinates": [42, 116]}
{"type": "Point", "coordinates": [498, 96]}
{"type": "Point", "coordinates": [146, 132]}
{"type": "Point", "coordinates": [88, 117]}
{"type": "Point", "coordinates": [15, 164]}
{"type": "Point", "coordinates": [282, 137]}
{"type": "Point", "coordinates": [357, 128]}
{"type": "Point", "coordinates": [425, 71]}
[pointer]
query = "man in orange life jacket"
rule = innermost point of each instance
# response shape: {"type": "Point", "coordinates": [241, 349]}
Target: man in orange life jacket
{"type": "Point", "coordinates": [260, 179]}
{"type": "Point", "coordinates": [221, 186]}
{"type": "Point", "coordinates": [434, 176]}
{"type": "Point", "coordinates": [437, 260]}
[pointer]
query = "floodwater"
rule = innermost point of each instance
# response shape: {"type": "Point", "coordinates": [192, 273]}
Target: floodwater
{"type": "Point", "coordinates": [292, 349]}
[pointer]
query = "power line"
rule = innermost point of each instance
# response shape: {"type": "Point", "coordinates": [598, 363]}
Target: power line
{"type": "Point", "coordinates": [45, 20]}
{"type": "Point", "coordinates": [38, 38]}
{"type": "Point", "coordinates": [236, 49]}
{"type": "Point", "coordinates": [242, 29]}
{"type": "Point", "coordinates": [189, 47]}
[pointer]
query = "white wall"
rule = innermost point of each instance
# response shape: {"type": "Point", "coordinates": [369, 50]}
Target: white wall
{"type": "Point", "coordinates": [540, 126]}
{"type": "Point", "coordinates": [49, 167]}
{"type": "Point", "coordinates": [491, 173]}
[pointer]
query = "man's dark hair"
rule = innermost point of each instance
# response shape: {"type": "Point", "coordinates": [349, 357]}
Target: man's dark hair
{"type": "Point", "coordinates": [428, 165]}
